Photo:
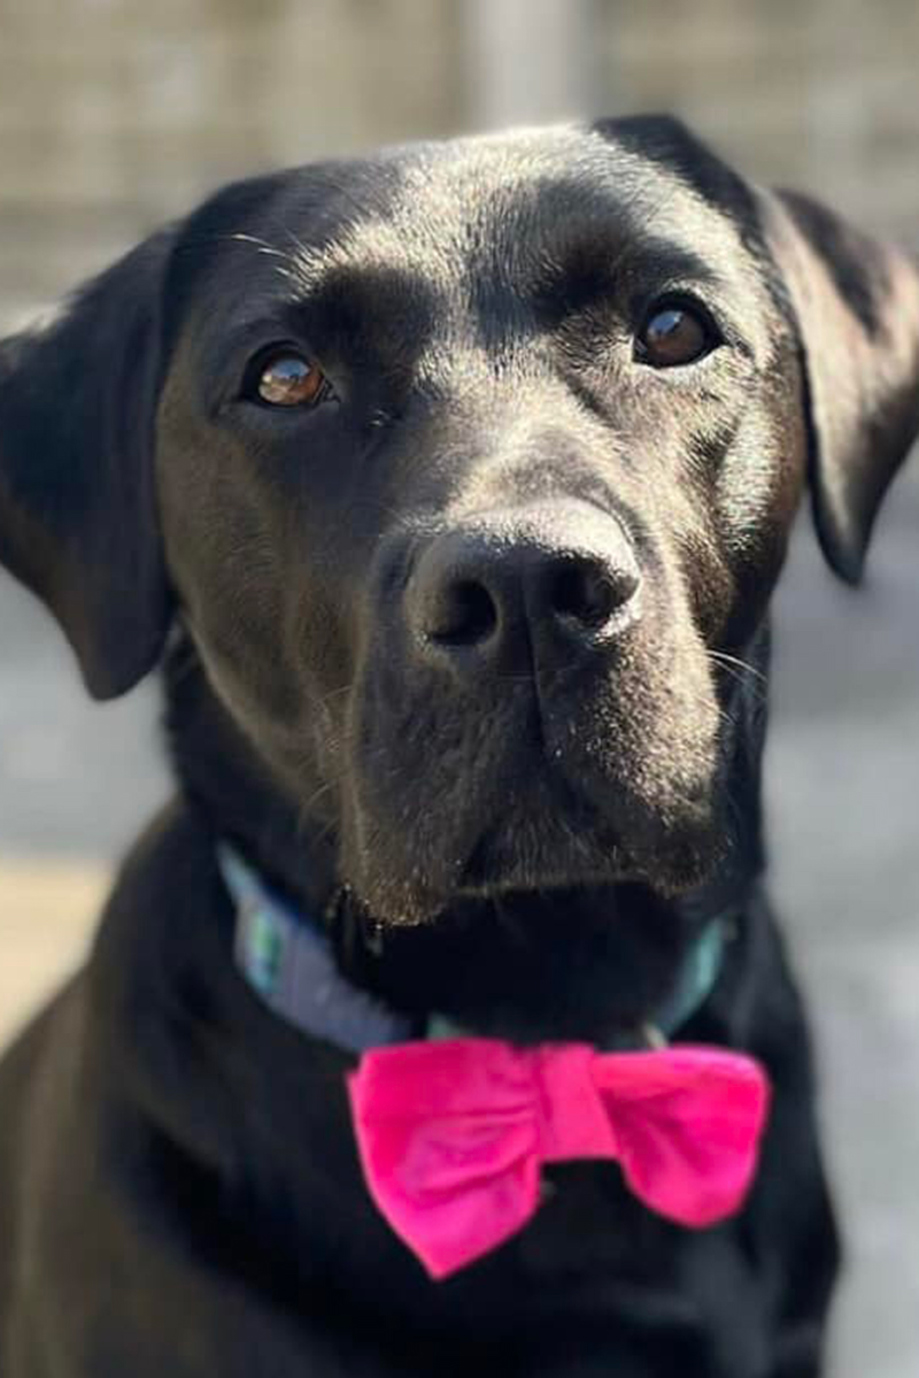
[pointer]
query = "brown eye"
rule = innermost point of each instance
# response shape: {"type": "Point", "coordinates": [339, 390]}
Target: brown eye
{"type": "Point", "coordinates": [286, 379]}
{"type": "Point", "coordinates": [673, 334]}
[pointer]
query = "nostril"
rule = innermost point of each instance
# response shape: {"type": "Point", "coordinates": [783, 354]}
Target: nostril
{"type": "Point", "coordinates": [589, 592]}
{"type": "Point", "coordinates": [582, 594]}
{"type": "Point", "coordinates": [466, 615]}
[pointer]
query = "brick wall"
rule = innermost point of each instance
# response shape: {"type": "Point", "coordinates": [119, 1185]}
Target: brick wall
{"type": "Point", "coordinates": [116, 114]}
{"type": "Point", "coordinates": [823, 94]}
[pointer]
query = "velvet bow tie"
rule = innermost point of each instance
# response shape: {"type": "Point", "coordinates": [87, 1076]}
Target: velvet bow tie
{"type": "Point", "coordinates": [452, 1134]}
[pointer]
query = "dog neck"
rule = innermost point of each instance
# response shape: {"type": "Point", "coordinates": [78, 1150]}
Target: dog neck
{"type": "Point", "coordinates": [286, 958]}
{"type": "Point", "coordinates": [590, 963]}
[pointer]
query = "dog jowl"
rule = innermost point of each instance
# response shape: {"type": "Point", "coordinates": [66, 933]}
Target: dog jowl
{"type": "Point", "coordinates": [458, 479]}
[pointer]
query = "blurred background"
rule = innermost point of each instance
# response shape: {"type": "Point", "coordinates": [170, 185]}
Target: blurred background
{"type": "Point", "coordinates": [117, 114]}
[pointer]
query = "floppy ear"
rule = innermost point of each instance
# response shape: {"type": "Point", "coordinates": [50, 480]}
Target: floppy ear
{"type": "Point", "coordinates": [856, 302]}
{"type": "Point", "coordinates": [78, 520]}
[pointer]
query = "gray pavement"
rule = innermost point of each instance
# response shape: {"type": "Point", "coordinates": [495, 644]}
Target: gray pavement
{"type": "Point", "coordinates": [843, 781]}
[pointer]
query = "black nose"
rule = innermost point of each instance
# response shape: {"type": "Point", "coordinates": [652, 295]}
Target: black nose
{"type": "Point", "coordinates": [550, 580]}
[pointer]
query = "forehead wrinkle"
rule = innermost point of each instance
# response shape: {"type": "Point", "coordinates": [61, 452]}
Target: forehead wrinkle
{"type": "Point", "coordinates": [375, 246]}
{"type": "Point", "coordinates": [516, 222]}
{"type": "Point", "coordinates": [509, 173]}
{"type": "Point", "coordinates": [478, 205]}
{"type": "Point", "coordinates": [507, 209]}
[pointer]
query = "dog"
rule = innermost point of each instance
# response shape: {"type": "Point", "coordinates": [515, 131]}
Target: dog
{"type": "Point", "coordinates": [450, 486]}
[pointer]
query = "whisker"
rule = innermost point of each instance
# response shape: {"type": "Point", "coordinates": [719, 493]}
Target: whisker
{"type": "Point", "coordinates": [333, 694]}
{"type": "Point", "coordinates": [320, 793]}
{"type": "Point", "coordinates": [261, 245]}
{"type": "Point", "coordinates": [729, 661]}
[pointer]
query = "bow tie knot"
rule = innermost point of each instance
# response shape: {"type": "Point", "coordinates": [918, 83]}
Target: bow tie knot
{"type": "Point", "coordinates": [570, 1117]}
{"type": "Point", "coordinates": [452, 1134]}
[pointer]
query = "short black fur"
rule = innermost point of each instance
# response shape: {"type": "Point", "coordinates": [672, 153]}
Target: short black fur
{"type": "Point", "coordinates": [521, 819]}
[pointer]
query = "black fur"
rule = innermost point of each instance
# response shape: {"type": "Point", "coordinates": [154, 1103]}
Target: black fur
{"type": "Point", "coordinates": [530, 797]}
{"type": "Point", "coordinates": [855, 265]}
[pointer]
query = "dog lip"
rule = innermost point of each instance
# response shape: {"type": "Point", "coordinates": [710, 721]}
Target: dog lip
{"type": "Point", "coordinates": [564, 842]}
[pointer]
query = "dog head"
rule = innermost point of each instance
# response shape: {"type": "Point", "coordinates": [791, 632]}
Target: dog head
{"type": "Point", "coordinates": [469, 469]}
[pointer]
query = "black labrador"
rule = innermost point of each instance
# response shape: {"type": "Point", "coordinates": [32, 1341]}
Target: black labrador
{"type": "Point", "coordinates": [451, 485]}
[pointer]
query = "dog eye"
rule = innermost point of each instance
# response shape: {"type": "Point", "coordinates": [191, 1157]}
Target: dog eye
{"type": "Point", "coordinates": [675, 333]}
{"type": "Point", "coordinates": [285, 378]}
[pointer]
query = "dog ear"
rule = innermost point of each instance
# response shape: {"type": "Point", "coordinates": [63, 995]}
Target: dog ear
{"type": "Point", "coordinates": [78, 522]}
{"type": "Point", "coordinates": [856, 304]}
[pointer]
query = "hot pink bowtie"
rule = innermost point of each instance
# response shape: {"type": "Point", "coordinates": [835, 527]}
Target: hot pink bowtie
{"type": "Point", "coordinates": [452, 1134]}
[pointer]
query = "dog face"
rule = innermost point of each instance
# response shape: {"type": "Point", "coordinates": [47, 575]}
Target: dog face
{"type": "Point", "coordinates": [544, 450]}
{"type": "Point", "coordinates": [469, 469]}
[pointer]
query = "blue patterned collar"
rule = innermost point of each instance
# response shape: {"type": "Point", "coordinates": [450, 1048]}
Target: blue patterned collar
{"type": "Point", "coordinates": [288, 961]}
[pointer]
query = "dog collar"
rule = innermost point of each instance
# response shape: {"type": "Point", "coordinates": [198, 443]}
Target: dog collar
{"type": "Point", "coordinates": [287, 960]}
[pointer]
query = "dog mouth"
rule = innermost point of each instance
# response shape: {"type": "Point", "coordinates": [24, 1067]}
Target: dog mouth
{"type": "Point", "coordinates": [561, 839]}
{"type": "Point", "coordinates": [554, 926]}
{"type": "Point", "coordinates": [576, 962]}
{"type": "Point", "coordinates": [542, 834]}
{"type": "Point", "coordinates": [584, 779]}
{"type": "Point", "coordinates": [580, 852]}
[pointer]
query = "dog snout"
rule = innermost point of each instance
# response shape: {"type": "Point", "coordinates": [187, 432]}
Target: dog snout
{"type": "Point", "coordinates": [549, 582]}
